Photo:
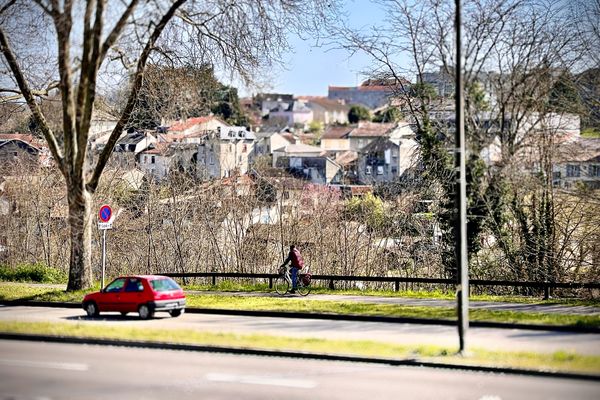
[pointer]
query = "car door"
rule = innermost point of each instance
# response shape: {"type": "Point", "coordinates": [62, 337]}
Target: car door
{"type": "Point", "coordinates": [133, 295]}
{"type": "Point", "coordinates": [110, 297]}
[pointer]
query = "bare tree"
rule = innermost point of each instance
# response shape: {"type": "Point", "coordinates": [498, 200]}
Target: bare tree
{"type": "Point", "coordinates": [515, 53]}
{"type": "Point", "coordinates": [79, 46]}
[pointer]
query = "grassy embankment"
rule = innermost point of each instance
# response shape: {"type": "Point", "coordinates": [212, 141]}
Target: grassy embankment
{"type": "Point", "coordinates": [590, 133]}
{"type": "Point", "coordinates": [15, 291]}
{"type": "Point", "coordinates": [557, 361]}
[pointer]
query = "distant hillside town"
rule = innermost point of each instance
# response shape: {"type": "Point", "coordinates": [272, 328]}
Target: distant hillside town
{"type": "Point", "coordinates": [321, 140]}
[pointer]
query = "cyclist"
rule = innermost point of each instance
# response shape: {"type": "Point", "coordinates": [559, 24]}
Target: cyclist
{"type": "Point", "coordinates": [295, 258]}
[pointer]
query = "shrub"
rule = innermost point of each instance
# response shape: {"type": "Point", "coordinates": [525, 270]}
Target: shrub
{"type": "Point", "coordinates": [39, 273]}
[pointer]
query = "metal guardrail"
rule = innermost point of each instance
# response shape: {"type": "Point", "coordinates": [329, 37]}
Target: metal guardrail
{"type": "Point", "coordinates": [546, 286]}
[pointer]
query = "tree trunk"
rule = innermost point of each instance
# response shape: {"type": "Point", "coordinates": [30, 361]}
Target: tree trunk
{"type": "Point", "coordinates": [80, 222]}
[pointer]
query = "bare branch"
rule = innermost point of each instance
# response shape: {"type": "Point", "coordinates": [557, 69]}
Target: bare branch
{"type": "Point", "coordinates": [116, 31]}
{"type": "Point", "coordinates": [29, 97]}
{"type": "Point", "coordinates": [137, 84]}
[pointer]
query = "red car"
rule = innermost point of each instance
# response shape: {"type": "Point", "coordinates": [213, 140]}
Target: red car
{"type": "Point", "coordinates": [143, 294]}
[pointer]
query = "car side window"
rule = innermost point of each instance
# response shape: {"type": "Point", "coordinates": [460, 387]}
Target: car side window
{"type": "Point", "coordinates": [115, 286]}
{"type": "Point", "coordinates": [134, 285]}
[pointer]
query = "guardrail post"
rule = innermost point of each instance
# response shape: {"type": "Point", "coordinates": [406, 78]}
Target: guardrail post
{"type": "Point", "coordinates": [331, 285]}
{"type": "Point", "coordinates": [397, 286]}
{"type": "Point", "coordinates": [270, 283]}
{"type": "Point", "coordinates": [214, 280]}
{"type": "Point", "coordinates": [546, 291]}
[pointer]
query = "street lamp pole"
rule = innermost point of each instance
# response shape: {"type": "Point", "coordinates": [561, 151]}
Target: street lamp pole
{"type": "Point", "coordinates": [462, 262]}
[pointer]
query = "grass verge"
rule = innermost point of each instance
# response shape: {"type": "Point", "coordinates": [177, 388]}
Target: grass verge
{"type": "Point", "coordinates": [559, 361]}
{"type": "Point", "coordinates": [14, 291]}
{"type": "Point", "coordinates": [388, 310]}
{"type": "Point", "coordinates": [437, 294]}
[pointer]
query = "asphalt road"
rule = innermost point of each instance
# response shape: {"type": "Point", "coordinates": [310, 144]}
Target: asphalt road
{"type": "Point", "coordinates": [33, 370]}
{"type": "Point", "coordinates": [491, 339]}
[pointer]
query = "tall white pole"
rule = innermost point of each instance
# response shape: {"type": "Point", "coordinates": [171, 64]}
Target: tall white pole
{"type": "Point", "coordinates": [461, 251]}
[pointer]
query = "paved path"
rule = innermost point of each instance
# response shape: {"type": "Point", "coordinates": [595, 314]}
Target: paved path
{"type": "Point", "coordinates": [398, 333]}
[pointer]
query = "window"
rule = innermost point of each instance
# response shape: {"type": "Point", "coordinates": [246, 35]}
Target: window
{"type": "Point", "coordinates": [594, 170]}
{"type": "Point", "coordinates": [164, 285]}
{"type": "Point", "coordinates": [395, 170]}
{"type": "Point", "coordinates": [134, 285]}
{"type": "Point", "coordinates": [556, 175]}
{"type": "Point", "coordinates": [115, 286]}
{"type": "Point", "coordinates": [153, 160]}
{"type": "Point", "coordinates": [573, 171]}
{"type": "Point", "coordinates": [368, 171]}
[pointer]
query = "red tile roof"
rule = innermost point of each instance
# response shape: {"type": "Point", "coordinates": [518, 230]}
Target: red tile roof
{"type": "Point", "coordinates": [371, 129]}
{"type": "Point", "coordinates": [29, 139]}
{"type": "Point", "coordinates": [188, 123]}
{"type": "Point", "coordinates": [337, 132]}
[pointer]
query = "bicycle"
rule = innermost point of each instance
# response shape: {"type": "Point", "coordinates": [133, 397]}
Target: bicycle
{"type": "Point", "coordinates": [284, 281]}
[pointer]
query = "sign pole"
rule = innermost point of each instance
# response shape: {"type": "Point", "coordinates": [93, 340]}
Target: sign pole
{"type": "Point", "coordinates": [103, 256]}
{"type": "Point", "coordinates": [105, 217]}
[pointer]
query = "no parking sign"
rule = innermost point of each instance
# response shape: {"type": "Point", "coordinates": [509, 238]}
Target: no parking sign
{"type": "Point", "coordinates": [104, 215]}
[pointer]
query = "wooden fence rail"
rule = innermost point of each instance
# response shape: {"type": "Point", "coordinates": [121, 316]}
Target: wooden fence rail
{"type": "Point", "coordinates": [546, 286]}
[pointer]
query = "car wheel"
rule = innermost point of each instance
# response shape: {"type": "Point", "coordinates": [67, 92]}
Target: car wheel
{"type": "Point", "coordinates": [145, 312]}
{"type": "Point", "coordinates": [175, 313]}
{"type": "Point", "coordinates": [92, 309]}
{"type": "Point", "coordinates": [123, 313]}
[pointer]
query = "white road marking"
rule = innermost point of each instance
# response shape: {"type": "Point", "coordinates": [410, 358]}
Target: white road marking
{"type": "Point", "coordinates": [262, 380]}
{"type": "Point", "coordinates": [490, 397]}
{"type": "Point", "coordinates": [43, 364]}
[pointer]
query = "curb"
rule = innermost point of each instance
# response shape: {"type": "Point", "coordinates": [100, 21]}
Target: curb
{"type": "Point", "coordinates": [339, 317]}
{"type": "Point", "coordinates": [295, 354]}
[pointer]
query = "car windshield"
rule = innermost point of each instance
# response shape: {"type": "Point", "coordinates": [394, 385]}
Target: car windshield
{"type": "Point", "coordinates": [163, 285]}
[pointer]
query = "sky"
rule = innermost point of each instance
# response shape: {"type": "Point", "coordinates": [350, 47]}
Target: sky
{"type": "Point", "coordinates": [310, 69]}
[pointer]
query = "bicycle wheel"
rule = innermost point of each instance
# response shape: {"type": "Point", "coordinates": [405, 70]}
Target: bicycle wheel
{"type": "Point", "coordinates": [281, 285]}
{"type": "Point", "coordinates": [303, 290]}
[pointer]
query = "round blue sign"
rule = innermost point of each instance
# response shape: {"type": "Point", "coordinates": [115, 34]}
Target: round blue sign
{"type": "Point", "coordinates": [105, 213]}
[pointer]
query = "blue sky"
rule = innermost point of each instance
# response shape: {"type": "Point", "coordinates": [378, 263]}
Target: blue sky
{"type": "Point", "coordinates": [309, 70]}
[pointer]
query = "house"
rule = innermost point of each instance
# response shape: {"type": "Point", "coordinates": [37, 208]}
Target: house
{"type": "Point", "coordinates": [367, 132]}
{"type": "Point", "coordinates": [101, 121]}
{"type": "Point", "coordinates": [269, 101]}
{"type": "Point", "coordinates": [295, 113]}
{"type": "Point", "coordinates": [328, 111]}
{"type": "Point", "coordinates": [348, 160]}
{"type": "Point", "coordinates": [335, 138]}
{"type": "Point", "coordinates": [386, 159]}
{"type": "Point", "coordinates": [196, 125]}
{"type": "Point", "coordinates": [308, 162]}
{"type": "Point", "coordinates": [135, 142]}
{"type": "Point", "coordinates": [160, 159]}
{"type": "Point", "coordinates": [16, 148]}
{"type": "Point", "coordinates": [373, 93]}
{"type": "Point", "coordinates": [355, 137]}
{"type": "Point", "coordinates": [298, 150]}
{"type": "Point", "coordinates": [442, 81]}
{"type": "Point", "coordinates": [226, 152]}
{"type": "Point", "coordinates": [272, 137]}
{"type": "Point", "coordinates": [577, 163]}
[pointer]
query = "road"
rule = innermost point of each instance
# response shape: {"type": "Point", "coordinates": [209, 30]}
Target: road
{"type": "Point", "coordinates": [33, 370]}
{"type": "Point", "coordinates": [539, 307]}
{"type": "Point", "coordinates": [491, 339]}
